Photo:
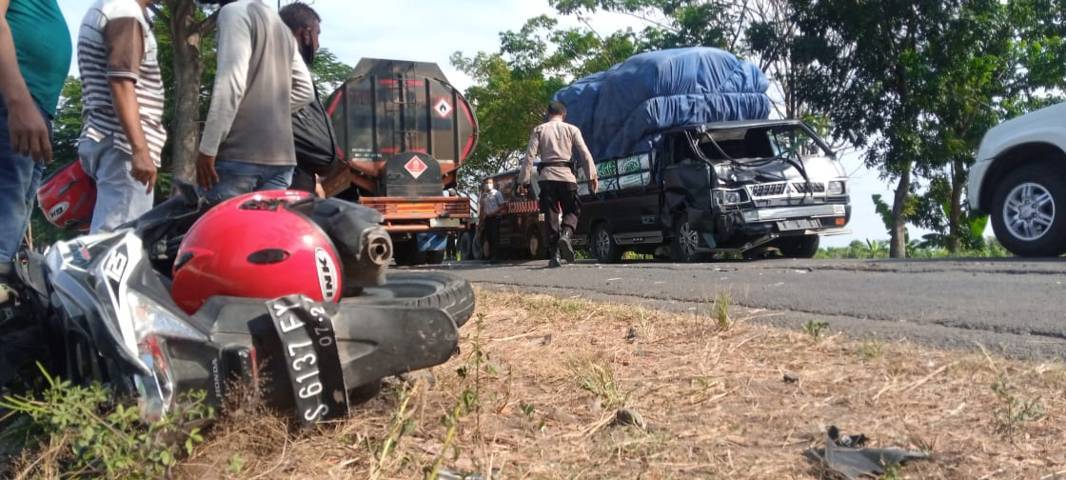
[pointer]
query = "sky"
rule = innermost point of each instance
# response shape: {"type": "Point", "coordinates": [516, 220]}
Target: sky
{"type": "Point", "coordinates": [432, 30]}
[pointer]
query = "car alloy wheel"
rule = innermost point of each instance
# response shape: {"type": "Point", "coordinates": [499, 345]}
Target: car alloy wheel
{"type": "Point", "coordinates": [1029, 211]}
{"type": "Point", "coordinates": [688, 239]}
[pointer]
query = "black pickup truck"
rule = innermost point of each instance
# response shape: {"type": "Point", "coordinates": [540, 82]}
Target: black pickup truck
{"type": "Point", "coordinates": [741, 187]}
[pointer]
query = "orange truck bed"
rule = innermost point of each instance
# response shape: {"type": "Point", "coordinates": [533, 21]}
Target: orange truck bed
{"type": "Point", "coordinates": [421, 214]}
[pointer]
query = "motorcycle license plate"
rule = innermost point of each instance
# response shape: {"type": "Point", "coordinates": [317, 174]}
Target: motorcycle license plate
{"type": "Point", "coordinates": [309, 350]}
{"type": "Point", "coordinates": [793, 225]}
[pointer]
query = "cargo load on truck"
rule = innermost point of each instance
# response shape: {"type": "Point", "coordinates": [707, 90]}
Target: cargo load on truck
{"type": "Point", "coordinates": [623, 111]}
{"type": "Point", "coordinates": [403, 132]}
{"type": "Point", "coordinates": [690, 166]}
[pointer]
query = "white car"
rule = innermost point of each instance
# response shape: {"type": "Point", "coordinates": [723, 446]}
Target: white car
{"type": "Point", "coordinates": [1019, 179]}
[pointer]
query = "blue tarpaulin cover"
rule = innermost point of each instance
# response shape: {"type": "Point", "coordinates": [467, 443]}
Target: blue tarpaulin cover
{"type": "Point", "coordinates": [622, 111]}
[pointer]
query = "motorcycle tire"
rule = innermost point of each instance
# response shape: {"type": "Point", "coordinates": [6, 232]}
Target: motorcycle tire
{"type": "Point", "coordinates": [423, 289]}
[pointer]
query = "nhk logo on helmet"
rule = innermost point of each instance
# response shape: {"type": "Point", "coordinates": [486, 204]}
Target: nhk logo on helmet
{"type": "Point", "coordinates": [327, 274]}
{"type": "Point", "coordinates": [57, 211]}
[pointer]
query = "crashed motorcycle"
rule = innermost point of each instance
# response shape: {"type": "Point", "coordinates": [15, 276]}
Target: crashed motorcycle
{"type": "Point", "coordinates": [104, 308]}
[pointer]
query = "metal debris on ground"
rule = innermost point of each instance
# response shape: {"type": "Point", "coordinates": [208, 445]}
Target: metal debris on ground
{"type": "Point", "coordinates": [847, 456]}
{"type": "Point", "coordinates": [629, 417]}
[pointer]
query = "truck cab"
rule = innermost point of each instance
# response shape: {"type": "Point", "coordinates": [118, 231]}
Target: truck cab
{"type": "Point", "coordinates": [741, 187]}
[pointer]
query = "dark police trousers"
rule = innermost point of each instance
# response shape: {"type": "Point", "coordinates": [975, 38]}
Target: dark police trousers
{"type": "Point", "coordinates": [556, 198]}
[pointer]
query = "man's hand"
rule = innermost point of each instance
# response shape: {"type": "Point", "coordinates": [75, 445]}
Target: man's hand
{"type": "Point", "coordinates": [29, 133]}
{"type": "Point", "coordinates": [320, 192]}
{"type": "Point", "coordinates": [594, 185]}
{"type": "Point", "coordinates": [142, 168]}
{"type": "Point", "coordinates": [206, 176]}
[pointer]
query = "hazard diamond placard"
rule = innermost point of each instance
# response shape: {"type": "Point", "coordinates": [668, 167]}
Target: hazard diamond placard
{"type": "Point", "coordinates": [416, 167]}
{"type": "Point", "coordinates": [443, 108]}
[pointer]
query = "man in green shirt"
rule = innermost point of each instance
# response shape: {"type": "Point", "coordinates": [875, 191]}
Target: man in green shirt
{"type": "Point", "coordinates": [35, 53]}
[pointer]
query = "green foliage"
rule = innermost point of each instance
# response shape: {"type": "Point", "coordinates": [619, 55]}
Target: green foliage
{"type": "Point", "coordinates": [514, 85]}
{"type": "Point", "coordinates": [67, 124]}
{"type": "Point", "coordinates": [329, 72]}
{"type": "Point", "coordinates": [92, 436]}
{"type": "Point", "coordinates": [1015, 410]}
{"type": "Point", "coordinates": [816, 329]}
{"type": "Point", "coordinates": [876, 249]}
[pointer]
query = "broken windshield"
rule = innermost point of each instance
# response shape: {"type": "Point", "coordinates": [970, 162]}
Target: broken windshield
{"type": "Point", "coordinates": [752, 143]}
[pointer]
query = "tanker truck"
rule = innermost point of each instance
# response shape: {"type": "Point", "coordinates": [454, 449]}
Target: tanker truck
{"type": "Point", "coordinates": [403, 132]}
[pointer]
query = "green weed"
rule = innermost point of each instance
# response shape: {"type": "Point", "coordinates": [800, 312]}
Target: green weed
{"type": "Point", "coordinates": [816, 329]}
{"type": "Point", "coordinates": [93, 436]}
{"type": "Point", "coordinates": [597, 378]}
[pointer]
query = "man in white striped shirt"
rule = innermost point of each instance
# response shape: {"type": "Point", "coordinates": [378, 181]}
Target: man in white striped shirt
{"type": "Point", "coordinates": [123, 135]}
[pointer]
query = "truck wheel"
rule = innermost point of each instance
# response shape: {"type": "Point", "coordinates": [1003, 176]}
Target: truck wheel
{"type": "Point", "coordinates": [466, 247]}
{"type": "Point", "coordinates": [423, 289]}
{"type": "Point", "coordinates": [435, 257]}
{"type": "Point", "coordinates": [799, 247]}
{"type": "Point", "coordinates": [1029, 211]}
{"type": "Point", "coordinates": [536, 248]}
{"type": "Point", "coordinates": [685, 244]}
{"type": "Point", "coordinates": [603, 246]}
{"type": "Point", "coordinates": [407, 254]}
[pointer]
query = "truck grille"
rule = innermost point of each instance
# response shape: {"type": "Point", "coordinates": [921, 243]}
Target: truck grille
{"type": "Point", "coordinates": [805, 188]}
{"type": "Point", "coordinates": [768, 189]}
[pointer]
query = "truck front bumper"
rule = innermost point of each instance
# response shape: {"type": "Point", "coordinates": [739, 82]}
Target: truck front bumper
{"type": "Point", "coordinates": [787, 213]}
{"type": "Point", "coordinates": [824, 219]}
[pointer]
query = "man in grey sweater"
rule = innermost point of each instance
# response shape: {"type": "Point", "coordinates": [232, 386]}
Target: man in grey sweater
{"type": "Point", "coordinates": [247, 143]}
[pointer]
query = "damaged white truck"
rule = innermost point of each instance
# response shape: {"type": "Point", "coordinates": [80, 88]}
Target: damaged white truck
{"type": "Point", "coordinates": [690, 165]}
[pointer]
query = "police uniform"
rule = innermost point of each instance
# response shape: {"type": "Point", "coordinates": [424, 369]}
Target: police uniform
{"type": "Point", "coordinates": [555, 143]}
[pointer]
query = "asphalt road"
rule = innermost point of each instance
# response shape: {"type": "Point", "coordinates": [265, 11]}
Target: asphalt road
{"type": "Point", "coordinates": [1014, 307]}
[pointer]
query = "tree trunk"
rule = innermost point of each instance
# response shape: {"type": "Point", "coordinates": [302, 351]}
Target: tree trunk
{"type": "Point", "coordinates": [898, 246]}
{"type": "Point", "coordinates": [958, 180]}
{"type": "Point", "coordinates": [188, 72]}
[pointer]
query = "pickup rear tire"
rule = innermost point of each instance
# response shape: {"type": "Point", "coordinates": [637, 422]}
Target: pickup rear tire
{"type": "Point", "coordinates": [423, 289]}
{"type": "Point", "coordinates": [1029, 211]}
{"type": "Point", "coordinates": [602, 245]}
{"type": "Point", "coordinates": [799, 247]}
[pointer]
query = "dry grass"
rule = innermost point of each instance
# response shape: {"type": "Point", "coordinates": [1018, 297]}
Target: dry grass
{"type": "Point", "coordinates": [534, 396]}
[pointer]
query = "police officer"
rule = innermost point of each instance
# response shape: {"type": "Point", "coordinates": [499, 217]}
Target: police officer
{"type": "Point", "coordinates": [555, 142]}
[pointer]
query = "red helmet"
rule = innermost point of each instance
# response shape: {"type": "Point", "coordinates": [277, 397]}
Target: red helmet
{"type": "Point", "coordinates": [256, 246]}
{"type": "Point", "coordinates": [68, 197]}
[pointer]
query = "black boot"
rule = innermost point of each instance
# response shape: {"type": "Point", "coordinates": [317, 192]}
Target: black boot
{"type": "Point", "coordinates": [566, 248]}
{"type": "Point", "coordinates": [553, 261]}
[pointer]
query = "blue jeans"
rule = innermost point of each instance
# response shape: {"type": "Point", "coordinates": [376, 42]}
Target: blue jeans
{"type": "Point", "coordinates": [19, 178]}
{"type": "Point", "coordinates": [238, 178]}
{"type": "Point", "coordinates": [119, 197]}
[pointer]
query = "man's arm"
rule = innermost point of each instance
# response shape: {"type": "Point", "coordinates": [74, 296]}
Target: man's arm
{"type": "Point", "coordinates": [231, 77]}
{"type": "Point", "coordinates": [124, 38]}
{"type": "Point", "coordinates": [525, 176]}
{"type": "Point", "coordinates": [303, 86]}
{"type": "Point", "coordinates": [588, 163]}
{"type": "Point", "coordinates": [29, 133]}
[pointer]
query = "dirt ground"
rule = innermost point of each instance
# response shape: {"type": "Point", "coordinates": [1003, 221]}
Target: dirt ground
{"type": "Point", "coordinates": [538, 386]}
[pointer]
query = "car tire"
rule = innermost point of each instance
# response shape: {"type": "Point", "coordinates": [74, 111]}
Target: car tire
{"type": "Point", "coordinates": [685, 243]}
{"type": "Point", "coordinates": [799, 247]}
{"type": "Point", "coordinates": [602, 245]}
{"type": "Point", "coordinates": [423, 289]}
{"type": "Point", "coordinates": [1029, 211]}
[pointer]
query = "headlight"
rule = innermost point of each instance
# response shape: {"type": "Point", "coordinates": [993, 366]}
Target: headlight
{"type": "Point", "coordinates": [153, 324]}
{"type": "Point", "coordinates": [727, 198]}
{"type": "Point", "coordinates": [837, 188]}
{"type": "Point", "coordinates": [150, 318]}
